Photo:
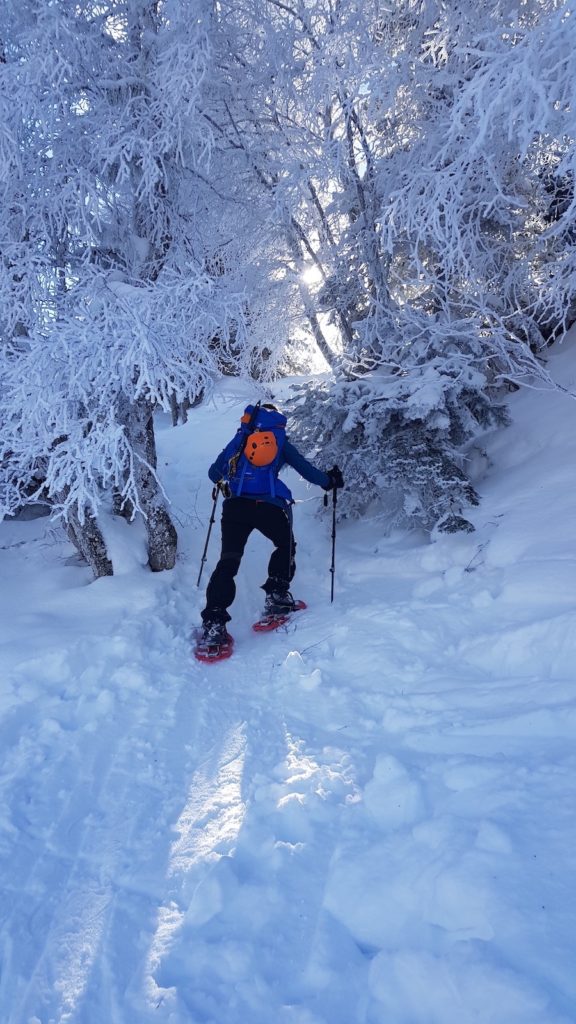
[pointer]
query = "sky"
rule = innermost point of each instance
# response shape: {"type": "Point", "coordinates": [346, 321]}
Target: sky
{"type": "Point", "coordinates": [364, 818]}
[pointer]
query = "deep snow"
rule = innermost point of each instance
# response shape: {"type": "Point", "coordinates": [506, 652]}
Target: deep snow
{"type": "Point", "coordinates": [367, 818]}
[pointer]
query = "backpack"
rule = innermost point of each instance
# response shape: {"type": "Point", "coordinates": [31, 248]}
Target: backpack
{"type": "Point", "coordinates": [256, 454]}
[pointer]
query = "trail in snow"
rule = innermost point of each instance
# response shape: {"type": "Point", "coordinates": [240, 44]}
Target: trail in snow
{"type": "Point", "coordinates": [364, 818]}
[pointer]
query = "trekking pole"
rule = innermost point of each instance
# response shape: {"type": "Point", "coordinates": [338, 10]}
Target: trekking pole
{"type": "Point", "coordinates": [333, 564]}
{"type": "Point", "coordinates": [215, 493]}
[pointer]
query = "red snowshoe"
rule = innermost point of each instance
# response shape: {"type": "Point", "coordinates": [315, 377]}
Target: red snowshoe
{"type": "Point", "coordinates": [273, 620]}
{"type": "Point", "coordinates": [213, 643]}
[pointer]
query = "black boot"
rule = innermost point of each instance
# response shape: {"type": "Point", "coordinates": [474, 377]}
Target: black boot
{"type": "Point", "coordinates": [279, 602]}
{"type": "Point", "coordinates": [214, 633]}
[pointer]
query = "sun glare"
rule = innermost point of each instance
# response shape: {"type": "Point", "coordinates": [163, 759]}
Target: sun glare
{"type": "Point", "coordinates": [311, 275]}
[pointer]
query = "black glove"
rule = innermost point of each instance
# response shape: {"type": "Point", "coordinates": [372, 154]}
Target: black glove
{"type": "Point", "coordinates": [335, 477]}
{"type": "Point", "coordinates": [224, 487]}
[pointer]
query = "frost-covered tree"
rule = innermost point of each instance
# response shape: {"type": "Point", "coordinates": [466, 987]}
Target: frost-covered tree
{"type": "Point", "coordinates": [415, 154]}
{"type": "Point", "coordinates": [188, 184]}
{"type": "Point", "coordinates": [119, 273]}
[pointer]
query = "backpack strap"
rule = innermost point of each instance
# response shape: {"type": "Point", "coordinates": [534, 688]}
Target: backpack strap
{"type": "Point", "coordinates": [246, 423]}
{"type": "Point", "coordinates": [271, 477]}
{"type": "Point", "coordinates": [241, 480]}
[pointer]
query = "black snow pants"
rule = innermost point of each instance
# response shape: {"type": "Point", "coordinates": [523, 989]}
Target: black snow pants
{"type": "Point", "coordinates": [239, 517]}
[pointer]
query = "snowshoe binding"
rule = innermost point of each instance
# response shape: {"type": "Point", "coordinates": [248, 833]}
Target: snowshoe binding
{"type": "Point", "coordinates": [214, 643]}
{"type": "Point", "coordinates": [278, 610]}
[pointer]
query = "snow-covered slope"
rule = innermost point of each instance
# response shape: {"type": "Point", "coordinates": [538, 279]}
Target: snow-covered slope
{"type": "Point", "coordinates": [365, 819]}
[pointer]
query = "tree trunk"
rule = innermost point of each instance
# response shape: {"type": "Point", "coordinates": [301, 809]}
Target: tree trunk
{"type": "Point", "coordinates": [88, 540]}
{"type": "Point", "coordinates": [86, 536]}
{"type": "Point", "coordinates": [162, 536]}
{"type": "Point", "coordinates": [122, 506]}
{"type": "Point", "coordinates": [179, 410]}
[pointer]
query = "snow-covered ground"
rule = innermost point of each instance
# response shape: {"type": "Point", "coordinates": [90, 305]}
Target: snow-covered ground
{"type": "Point", "coordinates": [365, 819]}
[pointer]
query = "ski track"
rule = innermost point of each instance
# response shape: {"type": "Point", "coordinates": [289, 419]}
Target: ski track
{"type": "Point", "coordinates": [363, 818]}
{"type": "Point", "coordinates": [119, 848]}
{"type": "Point", "coordinates": [218, 834]}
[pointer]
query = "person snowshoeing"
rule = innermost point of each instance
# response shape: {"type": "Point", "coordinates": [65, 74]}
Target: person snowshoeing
{"type": "Point", "coordinates": [246, 472]}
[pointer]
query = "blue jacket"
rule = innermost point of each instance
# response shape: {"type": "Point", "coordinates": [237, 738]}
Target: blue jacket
{"type": "Point", "coordinates": [289, 456]}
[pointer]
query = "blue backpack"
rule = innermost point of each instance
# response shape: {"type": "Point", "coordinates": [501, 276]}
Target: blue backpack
{"type": "Point", "coordinates": [255, 454]}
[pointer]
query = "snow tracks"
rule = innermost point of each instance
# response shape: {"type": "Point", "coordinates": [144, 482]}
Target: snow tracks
{"type": "Point", "coordinates": [361, 819]}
